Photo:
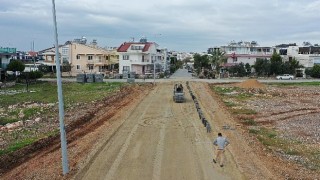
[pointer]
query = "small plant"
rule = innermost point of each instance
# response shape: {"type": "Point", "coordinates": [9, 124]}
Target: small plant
{"type": "Point", "coordinates": [249, 122]}
{"type": "Point", "coordinates": [6, 120]}
{"type": "Point", "coordinates": [243, 96]}
{"type": "Point", "coordinates": [291, 151]}
{"type": "Point", "coordinates": [29, 112]}
{"type": "Point", "coordinates": [229, 104]}
{"type": "Point", "coordinates": [253, 131]}
{"type": "Point", "coordinates": [224, 90]}
{"type": "Point", "coordinates": [268, 137]}
{"type": "Point", "coordinates": [243, 111]}
{"type": "Point", "coordinates": [18, 145]}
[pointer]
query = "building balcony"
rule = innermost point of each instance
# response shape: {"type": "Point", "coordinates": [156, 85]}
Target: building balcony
{"type": "Point", "coordinates": [98, 61]}
{"type": "Point", "coordinates": [140, 62]}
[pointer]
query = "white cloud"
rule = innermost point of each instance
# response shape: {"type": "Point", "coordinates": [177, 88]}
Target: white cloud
{"type": "Point", "coordinates": [184, 24]}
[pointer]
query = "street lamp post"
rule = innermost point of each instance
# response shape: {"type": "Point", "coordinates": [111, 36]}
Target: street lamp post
{"type": "Point", "coordinates": [154, 72]}
{"type": "Point", "coordinates": [64, 153]}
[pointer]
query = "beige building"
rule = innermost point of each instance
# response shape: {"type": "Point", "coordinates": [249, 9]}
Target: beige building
{"type": "Point", "coordinates": [83, 58]}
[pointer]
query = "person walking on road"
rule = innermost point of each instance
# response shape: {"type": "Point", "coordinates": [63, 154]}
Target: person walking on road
{"type": "Point", "coordinates": [222, 143]}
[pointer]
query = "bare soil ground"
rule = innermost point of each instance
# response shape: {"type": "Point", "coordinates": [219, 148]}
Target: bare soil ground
{"type": "Point", "coordinates": [284, 128]}
{"type": "Point", "coordinates": [143, 134]}
{"type": "Point", "coordinates": [84, 126]}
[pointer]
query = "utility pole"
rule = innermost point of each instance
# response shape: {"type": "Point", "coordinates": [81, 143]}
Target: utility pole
{"type": "Point", "coordinates": [33, 57]}
{"type": "Point", "coordinates": [65, 166]}
{"type": "Point", "coordinates": [154, 71]}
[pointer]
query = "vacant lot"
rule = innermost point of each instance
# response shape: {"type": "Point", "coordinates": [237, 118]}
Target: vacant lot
{"type": "Point", "coordinates": [27, 116]}
{"type": "Point", "coordinates": [281, 119]}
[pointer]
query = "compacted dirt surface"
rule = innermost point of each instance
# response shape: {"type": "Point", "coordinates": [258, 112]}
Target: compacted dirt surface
{"type": "Point", "coordinates": [145, 135]}
{"type": "Point", "coordinates": [160, 139]}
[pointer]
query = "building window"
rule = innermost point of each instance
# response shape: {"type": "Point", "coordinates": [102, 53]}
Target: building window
{"type": "Point", "coordinates": [90, 67]}
{"type": "Point", "coordinates": [125, 57]}
{"type": "Point", "coordinates": [65, 60]}
{"type": "Point", "coordinates": [126, 68]}
{"type": "Point", "coordinates": [78, 67]}
{"type": "Point", "coordinates": [90, 57]}
{"type": "Point", "coordinates": [107, 57]}
{"type": "Point", "coordinates": [137, 47]}
{"type": "Point", "coordinates": [65, 50]}
{"type": "Point", "coordinates": [235, 59]}
{"type": "Point", "coordinates": [78, 56]}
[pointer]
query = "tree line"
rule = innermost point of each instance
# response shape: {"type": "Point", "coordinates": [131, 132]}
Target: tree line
{"type": "Point", "coordinates": [208, 64]}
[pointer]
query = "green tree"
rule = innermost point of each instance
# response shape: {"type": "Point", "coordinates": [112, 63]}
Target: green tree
{"type": "Point", "coordinates": [44, 68]}
{"type": "Point", "coordinates": [201, 62]}
{"type": "Point", "coordinates": [175, 64]}
{"type": "Point", "coordinates": [276, 64]}
{"type": "Point", "coordinates": [238, 70]}
{"type": "Point", "coordinates": [286, 69]}
{"type": "Point", "coordinates": [308, 71]}
{"type": "Point", "coordinates": [294, 64]}
{"type": "Point", "coordinates": [262, 67]}
{"type": "Point", "coordinates": [289, 67]}
{"type": "Point", "coordinates": [66, 67]}
{"type": "Point", "coordinates": [217, 59]}
{"type": "Point", "coordinates": [16, 65]}
{"type": "Point", "coordinates": [36, 75]}
{"type": "Point", "coordinates": [247, 68]}
{"type": "Point", "coordinates": [315, 71]}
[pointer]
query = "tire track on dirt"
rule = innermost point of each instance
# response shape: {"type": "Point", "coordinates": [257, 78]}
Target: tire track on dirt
{"type": "Point", "coordinates": [197, 138]}
{"type": "Point", "coordinates": [112, 132]}
{"type": "Point", "coordinates": [160, 147]}
{"type": "Point", "coordinates": [110, 174]}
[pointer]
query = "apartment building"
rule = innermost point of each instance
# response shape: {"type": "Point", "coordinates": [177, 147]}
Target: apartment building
{"type": "Point", "coordinates": [83, 57]}
{"type": "Point", "coordinates": [6, 54]}
{"type": "Point", "coordinates": [308, 55]}
{"type": "Point", "coordinates": [245, 52]}
{"type": "Point", "coordinates": [140, 57]}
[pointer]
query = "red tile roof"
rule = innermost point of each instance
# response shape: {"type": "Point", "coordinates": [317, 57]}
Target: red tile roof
{"type": "Point", "coordinates": [32, 53]}
{"type": "Point", "coordinates": [146, 47]}
{"type": "Point", "coordinates": [125, 46]}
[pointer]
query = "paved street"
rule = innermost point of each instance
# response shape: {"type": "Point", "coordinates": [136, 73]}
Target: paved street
{"type": "Point", "coordinates": [183, 75]}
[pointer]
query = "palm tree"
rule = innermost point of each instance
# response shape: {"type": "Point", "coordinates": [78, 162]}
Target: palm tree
{"type": "Point", "coordinates": [218, 58]}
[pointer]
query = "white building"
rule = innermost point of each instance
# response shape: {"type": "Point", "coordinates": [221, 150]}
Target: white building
{"type": "Point", "coordinates": [245, 52]}
{"type": "Point", "coordinates": [140, 57]}
{"type": "Point", "coordinates": [306, 55]}
{"type": "Point", "coordinates": [6, 54]}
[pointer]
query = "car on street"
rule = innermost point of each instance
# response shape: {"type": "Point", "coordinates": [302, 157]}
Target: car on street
{"type": "Point", "coordinates": [285, 77]}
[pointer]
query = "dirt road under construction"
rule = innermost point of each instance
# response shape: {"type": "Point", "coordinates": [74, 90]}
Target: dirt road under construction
{"type": "Point", "coordinates": [160, 139]}
{"type": "Point", "coordinates": [151, 137]}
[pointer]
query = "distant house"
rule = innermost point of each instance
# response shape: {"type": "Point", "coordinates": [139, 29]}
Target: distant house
{"type": "Point", "coordinates": [6, 54]}
{"type": "Point", "coordinates": [140, 57]}
{"type": "Point", "coordinates": [308, 55]}
{"type": "Point", "coordinates": [83, 58]}
{"type": "Point", "coordinates": [245, 52]}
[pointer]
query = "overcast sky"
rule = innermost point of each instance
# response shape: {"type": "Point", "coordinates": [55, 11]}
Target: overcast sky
{"type": "Point", "coordinates": [181, 25]}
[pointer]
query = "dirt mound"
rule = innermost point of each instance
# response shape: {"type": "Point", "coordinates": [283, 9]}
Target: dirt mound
{"type": "Point", "coordinates": [251, 83]}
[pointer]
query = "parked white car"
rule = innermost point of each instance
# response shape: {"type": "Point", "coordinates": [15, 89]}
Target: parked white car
{"type": "Point", "coordinates": [285, 76]}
